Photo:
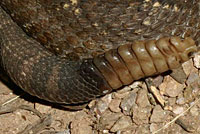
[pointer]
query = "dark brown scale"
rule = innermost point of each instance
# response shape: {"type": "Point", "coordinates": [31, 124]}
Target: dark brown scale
{"type": "Point", "coordinates": [146, 58]}
{"type": "Point", "coordinates": [44, 74]}
{"type": "Point", "coordinates": [77, 31]}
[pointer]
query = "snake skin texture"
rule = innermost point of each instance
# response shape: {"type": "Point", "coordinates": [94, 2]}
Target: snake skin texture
{"type": "Point", "coordinates": [47, 46]}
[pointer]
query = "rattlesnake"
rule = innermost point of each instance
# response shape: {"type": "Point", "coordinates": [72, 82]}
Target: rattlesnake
{"type": "Point", "coordinates": [59, 54]}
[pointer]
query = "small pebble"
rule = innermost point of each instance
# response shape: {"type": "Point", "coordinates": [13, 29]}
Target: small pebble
{"type": "Point", "coordinates": [178, 109]}
{"type": "Point", "coordinates": [170, 87]}
{"type": "Point", "coordinates": [142, 99]}
{"type": "Point", "coordinates": [197, 61]}
{"type": "Point", "coordinates": [123, 123]}
{"type": "Point", "coordinates": [180, 101]}
{"type": "Point", "coordinates": [108, 119]}
{"type": "Point", "coordinates": [141, 115]}
{"type": "Point", "coordinates": [155, 126]}
{"type": "Point", "coordinates": [120, 95]}
{"type": "Point", "coordinates": [157, 80]}
{"type": "Point", "coordinates": [114, 105]}
{"type": "Point", "coordinates": [158, 114]}
{"type": "Point", "coordinates": [193, 77]}
{"type": "Point", "coordinates": [136, 84]}
{"type": "Point", "coordinates": [128, 102]}
{"type": "Point", "coordinates": [143, 129]}
{"type": "Point", "coordinates": [188, 94]}
{"type": "Point", "coordinates": [128, 132]}
{"type": "Point", "coordinates": [188, 67]}
{"type": "Point", "coordinates": [171, 101]}
{"type": "Point", "coordinates": [81, 126]}
{"type": "Point", "coordinates": [194, 111]}
{"type": "Point", "coordinates": [103, 103]}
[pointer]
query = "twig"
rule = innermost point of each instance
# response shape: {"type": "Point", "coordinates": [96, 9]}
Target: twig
{"type": "Point", "coordinates": [157, 95]}
{"type": "Point", "coordinates": [166, 125]}
{"type": "Point", "coordinates": [38, 125]}
{"type": "Point", "coordinates": [10, 100]}
{"type": "Point", "coordinates": [25, 107]}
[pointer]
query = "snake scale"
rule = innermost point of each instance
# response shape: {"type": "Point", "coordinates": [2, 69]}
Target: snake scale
{"type": "Point", "coordinates": [70, 51]}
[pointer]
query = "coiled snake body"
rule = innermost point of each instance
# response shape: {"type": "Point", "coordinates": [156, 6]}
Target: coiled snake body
{"type": "Point", "coordinates": [72, 67]}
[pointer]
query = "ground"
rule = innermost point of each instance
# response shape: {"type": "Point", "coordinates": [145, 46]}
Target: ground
{"type": "Point", "coordinates": [158, 105]}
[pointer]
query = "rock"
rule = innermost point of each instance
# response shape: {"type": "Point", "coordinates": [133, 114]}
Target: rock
{"type": "Point", "coordinates": [180, 100]}
{"type": "Point", "coordinates": [128, 102]}
{"type": "Point", "coordinates": [123, 123]}
{"type": "Point", "coordinates": [188, 95]}
{"type": "Point", "coordinates": [179, 75]}
{"type": "Point", "coordinates": [177, 109]}
{"type": "Point", "coordinates": [197, 61]}
{"type": "Point", "coordinates": [157, 80]}
{"type": "Point", "coordinates": [103, 103]}
{"type": "Point", "coordinates": [193, 77]}
{"type": "Point", "coordinates": [171, 101]}
{"type": "Point", "coordinates": [61, 132]}
{"type": "Point", "coordinates": [120, 95]}
{"type": "Point", "coordinates": [124, 90]}
{"type": "Point", "coordinates": [194, 111]}
{"type": "Point", "coordinates": [105, 132]}
{"type": "Point", "coordinates": [143, 129]}
{"type": "Point", "coordinates": [141, 115]}
{"type": "Point", "coordinates": [108, 119]}
{"type": "Point", "coordinates": [128, 132]}
{"type": "Point", "coordinates": [152, 99]}
{"type": "Point", "coordinates": [114, 105]}
{"type": "Point", "coordinates": [188, 67]}
{"type": "Point", "coordinates": [136, 84]}
{"type": "Point", "coordinates": [142, 99]}
{"type": "Point", "coordinates": [81, 126]}
{"type": "Point", "coordinates": [158, 114]}
{"type": "Point", "coordinates": [92, 104]}
{"type": "Point", "coordinates": [193, 80]}
{"type": "Point", "coordinates": [155, 126]}
{"type": "Point", "coordinates": [170, 87]}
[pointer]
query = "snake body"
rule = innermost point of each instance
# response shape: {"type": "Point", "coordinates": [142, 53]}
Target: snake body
{"type": "Point", "coordinates": [75, 34]}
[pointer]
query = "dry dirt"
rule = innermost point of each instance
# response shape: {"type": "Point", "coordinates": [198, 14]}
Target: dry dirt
{"type": "Point", "coordinates": [141, 108]}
